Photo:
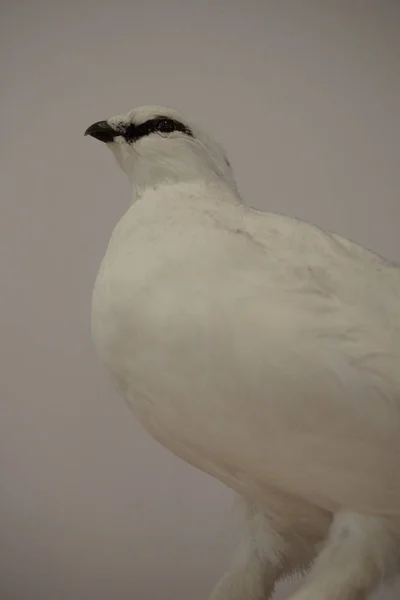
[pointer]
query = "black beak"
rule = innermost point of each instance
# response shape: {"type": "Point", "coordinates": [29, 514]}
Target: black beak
{"type": "Point", "coordinates": [101, 131]}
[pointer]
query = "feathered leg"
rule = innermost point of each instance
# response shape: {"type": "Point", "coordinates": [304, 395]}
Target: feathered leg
{"type": "Point", "coordinates": [263, 557]}
{"type": "Point", "coordinates": [358, 554]}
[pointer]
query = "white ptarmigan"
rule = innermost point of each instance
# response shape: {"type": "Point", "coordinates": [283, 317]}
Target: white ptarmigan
{"type": "Point", "coordinates": [261, 350]}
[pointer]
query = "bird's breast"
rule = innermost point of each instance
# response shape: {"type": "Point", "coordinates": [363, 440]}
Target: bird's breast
{"type": "Point", "coordinates": [239, 364]}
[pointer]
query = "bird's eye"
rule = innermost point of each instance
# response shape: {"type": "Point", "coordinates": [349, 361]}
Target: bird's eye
{"type": "Point", "coordinates": [165, 126]}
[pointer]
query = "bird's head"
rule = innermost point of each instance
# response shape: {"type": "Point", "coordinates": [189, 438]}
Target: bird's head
{"type": "Point", "coordinates": [156, 145]}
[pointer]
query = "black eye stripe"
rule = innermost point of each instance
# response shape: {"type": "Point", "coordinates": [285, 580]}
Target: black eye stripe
{"type": "Point", "coordinates": [132, 132]}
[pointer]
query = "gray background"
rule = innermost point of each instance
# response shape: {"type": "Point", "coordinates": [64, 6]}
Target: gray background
{"type": "Point", "coordinates": [306, 98]}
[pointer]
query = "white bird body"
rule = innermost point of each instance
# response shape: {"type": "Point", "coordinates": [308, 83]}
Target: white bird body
{"type": "Point", "coordinates": [258, 348]}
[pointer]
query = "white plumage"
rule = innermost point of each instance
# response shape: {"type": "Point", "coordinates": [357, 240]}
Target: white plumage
{"type": "Point", "coordinates": [262, 350]}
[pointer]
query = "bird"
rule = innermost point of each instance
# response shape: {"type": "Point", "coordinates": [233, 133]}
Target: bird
{"type": "Point", "coordinates": [260, 349]}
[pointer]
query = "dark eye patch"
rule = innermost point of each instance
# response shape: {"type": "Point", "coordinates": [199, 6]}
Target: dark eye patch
{"type": "Point", "coordinates": [161, 124]}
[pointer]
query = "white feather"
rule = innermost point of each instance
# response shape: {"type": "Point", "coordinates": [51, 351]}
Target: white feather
{"type": "Point", "coordinates": [255, 346]}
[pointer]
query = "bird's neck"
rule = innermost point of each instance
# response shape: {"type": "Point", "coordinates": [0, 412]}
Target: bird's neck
{"type": "Point", "coordinates": [161, 202]}
{"type": "Point", "coordinates": [147, 173]}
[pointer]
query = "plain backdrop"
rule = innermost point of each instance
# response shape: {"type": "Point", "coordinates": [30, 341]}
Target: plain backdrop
{"type": "Point", "coordinates": [305, 96]}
